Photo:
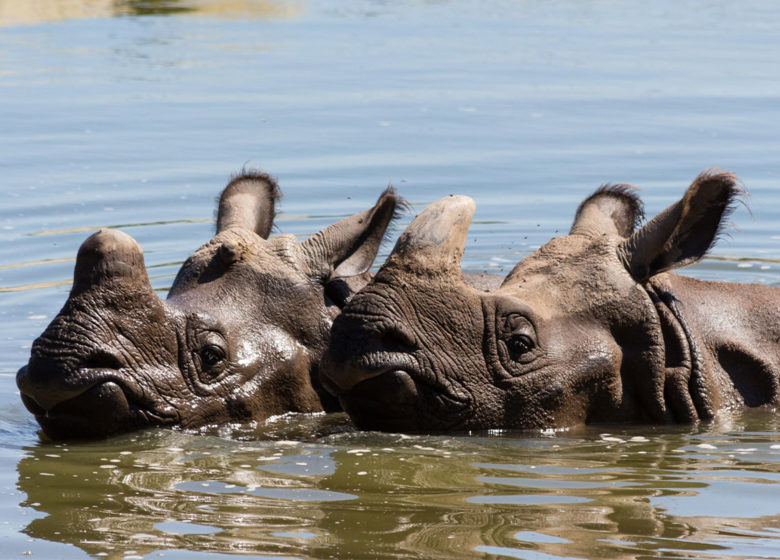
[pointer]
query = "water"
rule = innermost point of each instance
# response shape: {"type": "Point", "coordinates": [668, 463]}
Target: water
{"type": "Point", "coordinates": [134, 114]}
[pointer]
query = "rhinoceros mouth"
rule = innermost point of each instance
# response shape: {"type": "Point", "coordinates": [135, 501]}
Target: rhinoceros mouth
{"type": "Point", "coordinates": [396, 401]}
{"type": "Point", "coordinates": [100, 404]}
{"type": "Point", "coordinates": [389, 392]}
{"type": "Point", "coordinates": [396, 368]}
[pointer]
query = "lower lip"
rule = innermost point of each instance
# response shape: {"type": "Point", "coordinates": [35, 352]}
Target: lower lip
{"type": "Point", "coordinates": [392, 383]}
{"type": "Point", "coordinates": [107, 398]}
{"type": "Point", "coordinates": [401, 380]}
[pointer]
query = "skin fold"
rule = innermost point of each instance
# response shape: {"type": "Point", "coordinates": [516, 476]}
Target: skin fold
{"type": "Point", "coordinates": [239, 337]}
{"type": "Point", "coordinates": [592, 327]}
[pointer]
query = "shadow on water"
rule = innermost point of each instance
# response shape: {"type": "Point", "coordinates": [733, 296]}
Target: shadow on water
{"type": "Point", "coordinates": [14, 12]}
{"type": "Point", "coordinates": [346, 494]}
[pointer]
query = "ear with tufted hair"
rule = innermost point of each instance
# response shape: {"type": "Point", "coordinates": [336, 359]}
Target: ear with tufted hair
{"type": "Point", "coordinates": [684, 232]}
{"type": "Point", "coordinates": [349, 247]}
{"type": "Point", "coordinates": [249, 201]}
{"type": "Point", "coordinates": [614, 209]}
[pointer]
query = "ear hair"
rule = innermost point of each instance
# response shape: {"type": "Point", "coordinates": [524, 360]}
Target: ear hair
{"type": "Point", "coordinates": [401, 209]}
{"type": "Point", "coordinates": [249, 201]}
{"type": "Point", "coordinates": [731, 194]}
{"type": "Point", "coordinates": [684, 232]}
{"type": "Point", "coordinates": [611, 206]}
{"type": "Point", "coordinates": [349, 247]}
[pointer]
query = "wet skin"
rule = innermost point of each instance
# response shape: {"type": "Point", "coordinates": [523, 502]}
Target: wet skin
{"type": "Point", "coordinates": [592, 327]}
{"type": "Point", "coordinates": [238, 339]}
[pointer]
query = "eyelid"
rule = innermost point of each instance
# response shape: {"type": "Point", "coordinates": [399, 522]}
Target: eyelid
{"type": "Point", "coordinates": [212, 338]}
{"type": "Point", "coordinates": [217, 348]}
{"type": "Point", "coordinates": [517, 323]}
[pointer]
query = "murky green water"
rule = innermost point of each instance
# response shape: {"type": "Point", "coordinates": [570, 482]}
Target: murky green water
{"type": "Point", "coordinates": [709, 492]}
{"type": "Point", "coordinates": [133, 114]}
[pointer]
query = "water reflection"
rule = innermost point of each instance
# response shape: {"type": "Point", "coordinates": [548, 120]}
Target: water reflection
{"type": "Point", "coordinates": [353, 495]}
{"type": "Point", "coordinates": [162, 491]}
{"type": "Point", "coordinates": [15, 12]}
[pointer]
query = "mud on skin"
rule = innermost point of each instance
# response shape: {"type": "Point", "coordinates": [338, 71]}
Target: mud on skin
{"type": "Point", "coordinates": [592, 327]}
{"type": "Point", "coordinates": [239, 337]}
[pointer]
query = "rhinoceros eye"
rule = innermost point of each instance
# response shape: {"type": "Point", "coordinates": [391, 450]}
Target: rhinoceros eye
{"type": "Point", "coordinates": [518, 345]}
{"type": "Point", "coordinates": [211, 358]}
{"type": "Point", "coordinates": [517, 339]}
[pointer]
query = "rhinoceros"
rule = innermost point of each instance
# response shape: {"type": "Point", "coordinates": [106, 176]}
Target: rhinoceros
{"type": "Point", "coordinates": [239, 337]}
{"type": "Point", "coordinates": [592, 327]}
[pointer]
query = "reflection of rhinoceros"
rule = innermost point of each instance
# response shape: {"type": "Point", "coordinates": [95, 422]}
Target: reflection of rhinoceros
{"type": "Point", "coordinates": [13, 12]}
{"type": "Point", "coordinates": [576, 495]}
{"type": "Point", "coordinates": [164, 490]}
{"type": "Point", "coordinates": [589, 328]}
{"type": "Point", "coordinates": [239, 337]}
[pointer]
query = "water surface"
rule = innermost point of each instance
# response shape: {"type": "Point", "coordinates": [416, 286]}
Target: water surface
{"type": "Point", "coordinates": [133, 114]}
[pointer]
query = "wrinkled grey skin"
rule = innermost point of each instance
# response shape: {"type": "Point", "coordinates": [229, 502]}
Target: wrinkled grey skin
{"type": "Point", "coordinates": [239, 337]}
{"type": "Point", "coordinates": [589, 328]}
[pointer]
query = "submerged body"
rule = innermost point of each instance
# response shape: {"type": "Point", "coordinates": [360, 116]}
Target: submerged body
{"type": "Point", "coordinates": [592, 327]}
{"type": "Point", "coordinates": [239, 337]}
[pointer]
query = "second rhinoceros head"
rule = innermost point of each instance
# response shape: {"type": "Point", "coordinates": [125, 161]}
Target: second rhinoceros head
{"type": "Point", "coordinates": [591, 327]}
{"type": "Point", "coordinates": [239, 337]}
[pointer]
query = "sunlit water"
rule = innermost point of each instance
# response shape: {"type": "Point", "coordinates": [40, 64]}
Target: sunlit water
{"type": "Point", "coordinates": [134, 115]}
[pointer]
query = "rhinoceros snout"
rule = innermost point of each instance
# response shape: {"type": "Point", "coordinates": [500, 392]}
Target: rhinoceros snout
{"type": "Point", "coordinates": [39, 387]}
{"type": "Point", "coordinates": [22, 382]}
{"type": "Point", "coordinates": [45, 382]}
{"type": "Point", "coordinates": [38, 397]}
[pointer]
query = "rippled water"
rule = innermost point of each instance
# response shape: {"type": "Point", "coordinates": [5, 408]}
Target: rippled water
{"type": "Point", "coordinates": [133, 114]}
{"type": "Point", "coordinates": [682, 492]}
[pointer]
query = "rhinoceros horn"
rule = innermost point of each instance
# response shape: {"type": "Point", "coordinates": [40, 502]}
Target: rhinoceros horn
{"type": "Point", "coordinates": [436, 238]}
{"type": "Point", "coordinates": [106, 257]}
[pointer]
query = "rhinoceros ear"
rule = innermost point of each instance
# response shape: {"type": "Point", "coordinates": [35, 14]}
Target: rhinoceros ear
{"type": "Point", "coordinates": [249, 201]}
{"type": "Point", "coordinates": [436, 238]}
{"type": "Point", "coordinates": [614, 209]}
{"type": "Point", "coordinates": [349, 247]}
{"type": "Point", "coordinates": [684, 232]}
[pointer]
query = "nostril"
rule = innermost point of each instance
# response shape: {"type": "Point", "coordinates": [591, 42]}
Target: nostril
{"type": "Point", "coordinates": [47, 381]}
{"type": "Point", "coordinates": [39, 387]}
{"type": "Point", "coordinates": [397, 338]}
{"type": "Point", "coordinates": [101, 360]}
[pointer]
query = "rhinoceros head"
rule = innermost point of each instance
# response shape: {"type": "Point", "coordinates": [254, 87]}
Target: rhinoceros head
{"type": "Point", "coordinates": [239, 337]}
{"type": "Point", "coordinates": [571, 336]}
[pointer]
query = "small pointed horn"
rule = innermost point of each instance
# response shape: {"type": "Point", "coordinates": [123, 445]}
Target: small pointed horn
{"type": "Point", "coordinates": [249, 201]}
{"type": "Point", "coordinates": [436, 238]}
{"type": "Point", "coordinates": [109, 256]}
